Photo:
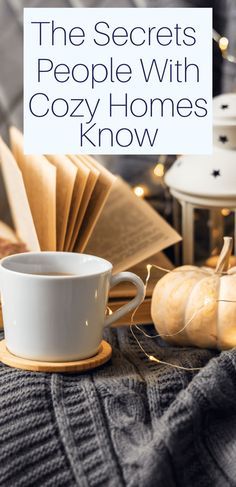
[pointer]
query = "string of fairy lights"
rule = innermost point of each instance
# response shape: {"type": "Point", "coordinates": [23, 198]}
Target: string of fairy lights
{"type": "Point", "coordinates": [158, 172]}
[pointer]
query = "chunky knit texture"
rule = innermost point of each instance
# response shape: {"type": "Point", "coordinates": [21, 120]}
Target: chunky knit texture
{"type": "Point", "coordinates": [130, 423]}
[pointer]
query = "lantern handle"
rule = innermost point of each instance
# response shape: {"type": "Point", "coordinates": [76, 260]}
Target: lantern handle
{"type": "Point", "coordinates": [224, 257]}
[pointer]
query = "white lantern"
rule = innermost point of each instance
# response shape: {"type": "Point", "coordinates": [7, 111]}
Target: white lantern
{"type": "Point", "coordinates": [207, 182]}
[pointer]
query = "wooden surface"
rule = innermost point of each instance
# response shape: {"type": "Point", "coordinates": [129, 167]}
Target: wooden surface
{"type": "Point", "coordinates": [103, 355]}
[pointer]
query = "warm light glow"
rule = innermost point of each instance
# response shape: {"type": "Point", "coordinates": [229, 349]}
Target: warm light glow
{"type": "Point", "coordinates": [225, 212]}
{"type": "Point", "coordinates": [109, 311]}
{"type": "Point", "coordinates": [139, 191]}
{"type": "Point", "coordinates": [153, 359]}
{"type": "Point", "coordinates": [215, 233]}
{"type": "Point", "coordinates": [223, 43]}
{"type": "Point", "coordinates": [159, 170]}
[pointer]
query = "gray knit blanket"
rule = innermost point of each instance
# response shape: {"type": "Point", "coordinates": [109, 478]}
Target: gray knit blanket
{"type": "Point", "coordinates": [131, 422]}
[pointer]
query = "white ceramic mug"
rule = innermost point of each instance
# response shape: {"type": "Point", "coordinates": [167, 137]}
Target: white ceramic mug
{"type": "Point", "coordinates": [59, 317]}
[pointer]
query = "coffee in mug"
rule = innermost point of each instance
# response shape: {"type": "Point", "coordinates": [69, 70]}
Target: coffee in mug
{"type": "Point", "coordinates": [54, 303]}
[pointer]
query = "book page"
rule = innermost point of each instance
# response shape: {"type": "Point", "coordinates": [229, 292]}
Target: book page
{"type": "Point", "coordinates": [90, 185]}
{"type": "Point", "coordinates": [129, 230]}
{"type": "Point", "coordinates": [97, 201]}
{"type": "Point", "coordinates": [81, 180]}
{"type": "Point", "coordinates": [18, 200]}
{"type": "Point", "coordinates": [66, 175]}
{"type": "Point", "coordinates": [127, 290]}
{"type": "Point", "coordinates": [39, 177]}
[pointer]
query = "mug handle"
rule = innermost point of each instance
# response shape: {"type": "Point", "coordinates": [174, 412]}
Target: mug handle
{"type": "Point", "coordinates": [134, 303]}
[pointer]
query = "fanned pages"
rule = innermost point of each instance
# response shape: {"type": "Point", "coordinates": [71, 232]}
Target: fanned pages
{"type": "Point", "coordinates": [39, 177]}
{"type": "Point", "coordinates": [18, 200]}
{"type": "Point", "coordinates": [73, 203]}
{"type": "Point", "coordinates": [66, 176]}
{"type": "Point", "coordinates": [97, 201]}
{"type": "Point", "coordinates": [81, 181]}
{"type": "Point", "coordinates": [90, 185]}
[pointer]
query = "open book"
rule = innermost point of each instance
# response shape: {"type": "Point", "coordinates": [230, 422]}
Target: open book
{"type": "Point", "coordinates": [72, 203]}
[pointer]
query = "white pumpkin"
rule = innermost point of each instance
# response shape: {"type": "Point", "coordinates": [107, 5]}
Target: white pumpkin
{"type": "Point", "coordinates": [197, 306]}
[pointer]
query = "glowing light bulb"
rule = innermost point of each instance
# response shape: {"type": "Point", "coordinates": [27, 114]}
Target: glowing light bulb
{"type": "Point", "coordinates": [223, 43]}
{"type": "Point", "coordinates": [159, 170]}
{"type": "Point", "coordinates": [109, 311]}
{"type": "Point", "coordinates": [225, 212]}
{"type": "Point", "coordinates": [139, 191]}
{"type": "Point", "coordinates": [153, 359]}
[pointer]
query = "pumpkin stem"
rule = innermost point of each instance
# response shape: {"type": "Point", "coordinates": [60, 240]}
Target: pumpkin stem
{"type": "Point", "coordinates": [224, 257]}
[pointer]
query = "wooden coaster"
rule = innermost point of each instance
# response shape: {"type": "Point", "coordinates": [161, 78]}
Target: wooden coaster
{"type": "Point", "coordinates": [103, 355]}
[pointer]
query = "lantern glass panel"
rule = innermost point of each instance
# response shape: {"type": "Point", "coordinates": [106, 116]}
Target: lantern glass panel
{"type": "Point", "coordinates": [209, 228]}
